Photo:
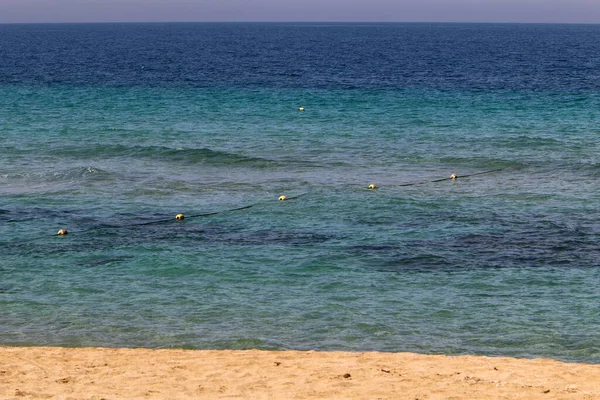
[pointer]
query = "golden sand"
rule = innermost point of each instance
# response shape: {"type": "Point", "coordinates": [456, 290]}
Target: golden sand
{"type": "Point", "coordinates": [100, 373]}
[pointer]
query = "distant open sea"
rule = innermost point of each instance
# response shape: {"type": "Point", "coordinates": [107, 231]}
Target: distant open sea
{"type": "Point", "coordinates": [110, 130]}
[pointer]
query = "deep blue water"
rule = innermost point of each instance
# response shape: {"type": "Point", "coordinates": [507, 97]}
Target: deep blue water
{"type": "Point", "coordinates": [110, 130]}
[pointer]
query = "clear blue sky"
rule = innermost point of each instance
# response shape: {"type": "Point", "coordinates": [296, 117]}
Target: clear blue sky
{"type": "Point", "coordinates": [572, 11]}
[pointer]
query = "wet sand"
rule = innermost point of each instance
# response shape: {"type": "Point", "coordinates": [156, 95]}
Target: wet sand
{"type": "Point", "coordinates": [99, 373]}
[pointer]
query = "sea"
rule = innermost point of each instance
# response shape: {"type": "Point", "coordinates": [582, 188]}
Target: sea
{"type": "Point", "coordinates": [111, 130]}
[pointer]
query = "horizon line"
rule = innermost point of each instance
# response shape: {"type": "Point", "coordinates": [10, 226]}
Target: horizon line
{"type": "Point", "coordinates": [303, 22]}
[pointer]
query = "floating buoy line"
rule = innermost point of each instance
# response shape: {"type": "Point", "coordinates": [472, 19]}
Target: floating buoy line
{"type": "Point", "coordinates": [452, 177]}
{"type": "Point", "coordinates": [181, 217]}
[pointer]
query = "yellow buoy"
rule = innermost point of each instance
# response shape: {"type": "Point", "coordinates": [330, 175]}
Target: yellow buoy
{"type": "Point", "coordinates": [372, 186]}
{"type": "Point", "coordinates": [453, 176]}
{"type": "Point", "coordinates": [300, 108]}
{"type": "Point", "coordinates": [179, 217]}
{"type": "Point", "coordinates": [282, 198]}
{"type": "Point", "coordinates": [62, 232]}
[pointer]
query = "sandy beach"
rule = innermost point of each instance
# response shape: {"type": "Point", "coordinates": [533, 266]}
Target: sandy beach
{"type": "Point", "coordinates": [100, 373]}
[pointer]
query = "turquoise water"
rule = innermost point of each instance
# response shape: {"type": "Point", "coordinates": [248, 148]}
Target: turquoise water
{"type": "Point", "coordinates": [501, 263]}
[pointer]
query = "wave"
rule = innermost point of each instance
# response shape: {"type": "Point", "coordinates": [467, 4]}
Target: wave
{"type": "Point", "coordinates": [66, 175]}
{"type": "Point", "coordinates": [163, 153]}
{"type": "Point", "coordinates": [528, 141]}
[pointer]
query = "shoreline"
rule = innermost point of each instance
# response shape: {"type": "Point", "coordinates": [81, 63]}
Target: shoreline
{"type": "Point", "coordinates": [121, 373]}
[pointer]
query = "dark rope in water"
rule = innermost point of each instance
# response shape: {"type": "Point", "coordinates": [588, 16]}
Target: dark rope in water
{"type": "Point", "coordinates": [165, 220]}
{"type": "Point", "coordinates": [155, 222]}
{"type": "Point", "coordinates": [450, 178]}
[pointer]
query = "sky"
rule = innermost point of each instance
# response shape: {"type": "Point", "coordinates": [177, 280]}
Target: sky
{"type": "Point", "coordinates": [561, 11]}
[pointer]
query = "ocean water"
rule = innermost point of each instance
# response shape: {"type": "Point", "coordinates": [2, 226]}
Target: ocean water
{"type": "Point", "coordinates": [110, 130]}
